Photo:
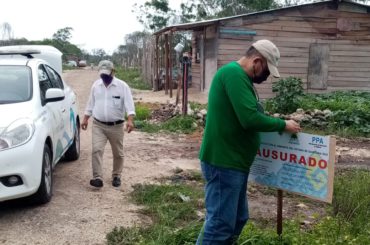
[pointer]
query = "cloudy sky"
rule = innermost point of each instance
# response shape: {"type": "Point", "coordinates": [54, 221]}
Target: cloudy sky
{"type": "Point", "coordinates": [96, 24]}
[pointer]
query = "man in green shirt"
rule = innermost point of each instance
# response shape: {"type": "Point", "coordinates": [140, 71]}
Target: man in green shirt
{"type": "Point", "coordinates": [231, 140]}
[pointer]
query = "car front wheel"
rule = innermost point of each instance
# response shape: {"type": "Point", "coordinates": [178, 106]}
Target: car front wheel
{"type": "Point", "coordinates": [73, 152]}
{"type": "Point", "coordinates": [44, 193]}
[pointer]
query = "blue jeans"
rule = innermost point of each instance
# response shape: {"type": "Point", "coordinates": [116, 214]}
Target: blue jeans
{"type": "Point", "coordinates": [226, 205]}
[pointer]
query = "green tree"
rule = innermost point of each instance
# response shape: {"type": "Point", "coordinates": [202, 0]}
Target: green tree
{"type": "Point", "coordinates": [63, 35]}
{"type": "Point", "coordinates": [154, 14]}
{"type": "Point", "coordinates": [207, 9]}
{"type": "Point", "coordinates": [131, 53]}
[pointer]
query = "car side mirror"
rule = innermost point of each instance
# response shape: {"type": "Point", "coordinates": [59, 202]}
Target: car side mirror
{"type": "Point", "coordinates": [54, 94]}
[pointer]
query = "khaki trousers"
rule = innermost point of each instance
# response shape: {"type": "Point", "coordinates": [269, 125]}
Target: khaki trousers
{"type": "Point", "coordinates": [102, 133]}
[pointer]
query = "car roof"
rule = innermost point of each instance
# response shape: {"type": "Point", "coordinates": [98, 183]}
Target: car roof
{"type": "Point", "coordinates": [48, 54]}
{"type": "Point", "coordinates": [13, 61]}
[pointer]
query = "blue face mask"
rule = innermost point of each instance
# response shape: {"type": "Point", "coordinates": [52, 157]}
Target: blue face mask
{"type": "Point", "coordinates": [107, 79]}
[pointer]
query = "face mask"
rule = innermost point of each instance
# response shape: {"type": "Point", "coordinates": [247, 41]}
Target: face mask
{"type": "Point", "coordinates": [260, 78]}
{"type": "Point", "coordinates": [107, 79]}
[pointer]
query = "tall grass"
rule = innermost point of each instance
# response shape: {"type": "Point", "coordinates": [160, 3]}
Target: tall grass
{"type": "Point", "coordinates": [352, 199]}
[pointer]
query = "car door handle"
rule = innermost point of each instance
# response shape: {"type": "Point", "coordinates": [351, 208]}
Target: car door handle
{"type": "Point", "coordinates": [64, 110]}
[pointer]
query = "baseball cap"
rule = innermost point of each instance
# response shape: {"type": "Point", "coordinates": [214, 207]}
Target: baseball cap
{"type": "Point", "coordinates": [271, 53]}
{"type": "Point", "coordinates": [105, 67]}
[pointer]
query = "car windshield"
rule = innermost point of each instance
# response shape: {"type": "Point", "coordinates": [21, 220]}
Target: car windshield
{"type": "Point", "coordinates": [15, 84]}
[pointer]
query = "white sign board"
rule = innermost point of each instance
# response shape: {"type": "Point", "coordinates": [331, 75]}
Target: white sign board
{"type": "Point", "coordinates": [302, 163]}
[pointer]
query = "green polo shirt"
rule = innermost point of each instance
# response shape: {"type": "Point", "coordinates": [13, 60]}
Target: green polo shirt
{"type": "Point", "coordinates": [231, 136]}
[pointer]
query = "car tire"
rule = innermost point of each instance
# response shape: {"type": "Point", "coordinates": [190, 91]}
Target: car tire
{"type": "Point", "coordinates": [73, 152]}
{"type": "Point", "coordinates": [45, 191]}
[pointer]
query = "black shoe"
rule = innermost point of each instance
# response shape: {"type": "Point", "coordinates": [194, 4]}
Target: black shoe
{"type": "Point", "coordinates": [96, 182]}
{"type": "Point", "coordinates": [116, 181]}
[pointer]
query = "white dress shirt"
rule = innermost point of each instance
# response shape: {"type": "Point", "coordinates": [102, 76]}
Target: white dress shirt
{"type": "Point", "coordinates": [110, 104]}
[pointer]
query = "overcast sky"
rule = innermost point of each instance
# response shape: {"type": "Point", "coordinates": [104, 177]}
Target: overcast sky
{"type": "Point", "coordinates": [96, 24]}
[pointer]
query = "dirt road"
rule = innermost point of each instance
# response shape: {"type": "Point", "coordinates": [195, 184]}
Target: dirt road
{"type": "Point", "coordinates": [78, 214]}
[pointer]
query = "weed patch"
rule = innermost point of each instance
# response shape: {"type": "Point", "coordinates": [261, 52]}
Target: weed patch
{"type": "Point", "coordinates": [173, 209]}
{"type": "Point", "coordinates": [133, 78]}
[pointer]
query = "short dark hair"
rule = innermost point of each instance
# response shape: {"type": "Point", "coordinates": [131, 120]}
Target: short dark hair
{"type": "Point", "coordinates": [252, 52]}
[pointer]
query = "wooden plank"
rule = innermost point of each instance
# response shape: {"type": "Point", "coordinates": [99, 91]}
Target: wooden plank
{"type": "Point", "coordinates": [275, 39]}
{"type": "Point", "coordinates": [354, 16]}
{"type": "Point", "coordinates": [293, 65]}
{"type": "Point", "coordinates": [230, 47]}
{"type": "Point", "coordinates": [355, 79]}
{"type": "Point", "coordinates": [231, 52]}
{"type": "Point", "coordinates": [233, 47]}
{"type": "Point", "coordinates": [292, 43]}
{"type": "Point", "coordinates": [350, 59]}
{"type": "Point", "coordinates": [341, 47]}
{"type": "Point", "coordinates": [329, 89]}
{"type": "Point", "coordinates": [355, 38]}
{"type": "Point", "coordinates": [228, 58]}
{"type": "Point", "coordinates": [351, 74]}
{"type": "Point", "coordinates": [351, 53]}
{"type": "Point", "coordinates": [293, 34]}
{"type": "Point", "coordinates": [318, 69]}
{"type": "Point", "coordinates": [358, 34]}
{"type": "Point", "coordinates": [166, 63]}
{"type": "Point", "coordinates": [307, 19]}
{"type": "Point", "coordinates": [350, 69]}
{"type": "Point", "coordinates": [237, 30]}
{"type": "Point", "coordinates": [293, 59]}
{"type": "Point", "coordinates": [349, 83]}
{"type": "Point", "coordinates": [295, 23]}
{"type": "Point", "coordinates": [232, 22]}
{"type": "Point", "coordinates": [239, 37]}
{"type": "Point", "coordinates": [291, 14]}
{"type": "Point", "coordinates": [241, 52]}
{"type": "Point", "coordinates": [353, 41]}
{"type": "Point", "coordinates": [298, 29]}
{"type": "Point", "coordinates": [295, 70]}
{"type": "Point", "coordinates": [344, 63]}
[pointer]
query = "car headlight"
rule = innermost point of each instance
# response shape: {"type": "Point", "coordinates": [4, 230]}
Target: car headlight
{"type": "Point", "coordinates": [17, 133]}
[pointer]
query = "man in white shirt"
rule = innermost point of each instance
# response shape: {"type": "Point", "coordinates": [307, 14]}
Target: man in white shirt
{"type": "Point", "coordinates": [110, 100]}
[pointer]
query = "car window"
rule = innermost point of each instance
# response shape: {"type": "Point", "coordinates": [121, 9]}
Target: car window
{"type": "Point", "coordinates": [15, 84]}
{"type": "Point", "coordinates": [44, 82]}
{"type": "Point", "coordinates": [54, 77]}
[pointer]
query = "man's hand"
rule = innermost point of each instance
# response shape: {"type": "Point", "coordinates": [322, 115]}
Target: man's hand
{"type": "Point", "coordinates": [292, 126]}
{"type": "Point", "coordinates": [130, 124]}
{"type": "Point", "coordinates": [85, 122]}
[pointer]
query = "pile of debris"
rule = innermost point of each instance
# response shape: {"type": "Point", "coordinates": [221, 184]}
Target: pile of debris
{"type": "Point", "coordinates": [164, 112]}
{"type": "Point", "coordinates": [169, 110]}
{"type": "Point", "coordinates": [317, 118]}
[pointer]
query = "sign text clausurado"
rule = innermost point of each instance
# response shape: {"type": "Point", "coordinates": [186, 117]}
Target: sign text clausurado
{"type": "Point", "coordinates": [302, 163]}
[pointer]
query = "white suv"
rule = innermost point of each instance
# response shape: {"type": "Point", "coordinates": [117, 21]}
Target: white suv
{"type": "Point", "coordinates": [39, 122]}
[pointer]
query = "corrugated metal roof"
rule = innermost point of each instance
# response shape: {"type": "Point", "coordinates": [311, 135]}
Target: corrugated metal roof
{"type": "Point", "coordinates": [203, 23]}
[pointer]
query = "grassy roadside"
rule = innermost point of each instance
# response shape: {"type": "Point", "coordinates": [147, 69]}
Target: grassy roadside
{"type": "Point", "coordinates": [133, 78]}
{"type": "Point", "coordinates": [176, 210]}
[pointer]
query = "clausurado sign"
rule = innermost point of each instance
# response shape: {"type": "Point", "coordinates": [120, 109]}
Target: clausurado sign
{"type": "Point", "coordinates": [301, 163]}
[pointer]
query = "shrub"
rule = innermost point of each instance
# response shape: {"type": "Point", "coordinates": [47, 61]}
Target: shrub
{"type": "Point", "coordinates": [350, 111]}
{"type": "Point", "coordinates": [289, 92]}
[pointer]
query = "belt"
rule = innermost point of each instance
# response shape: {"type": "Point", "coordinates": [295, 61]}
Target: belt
{"type": "Point", "coordinates": [110, 123]}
